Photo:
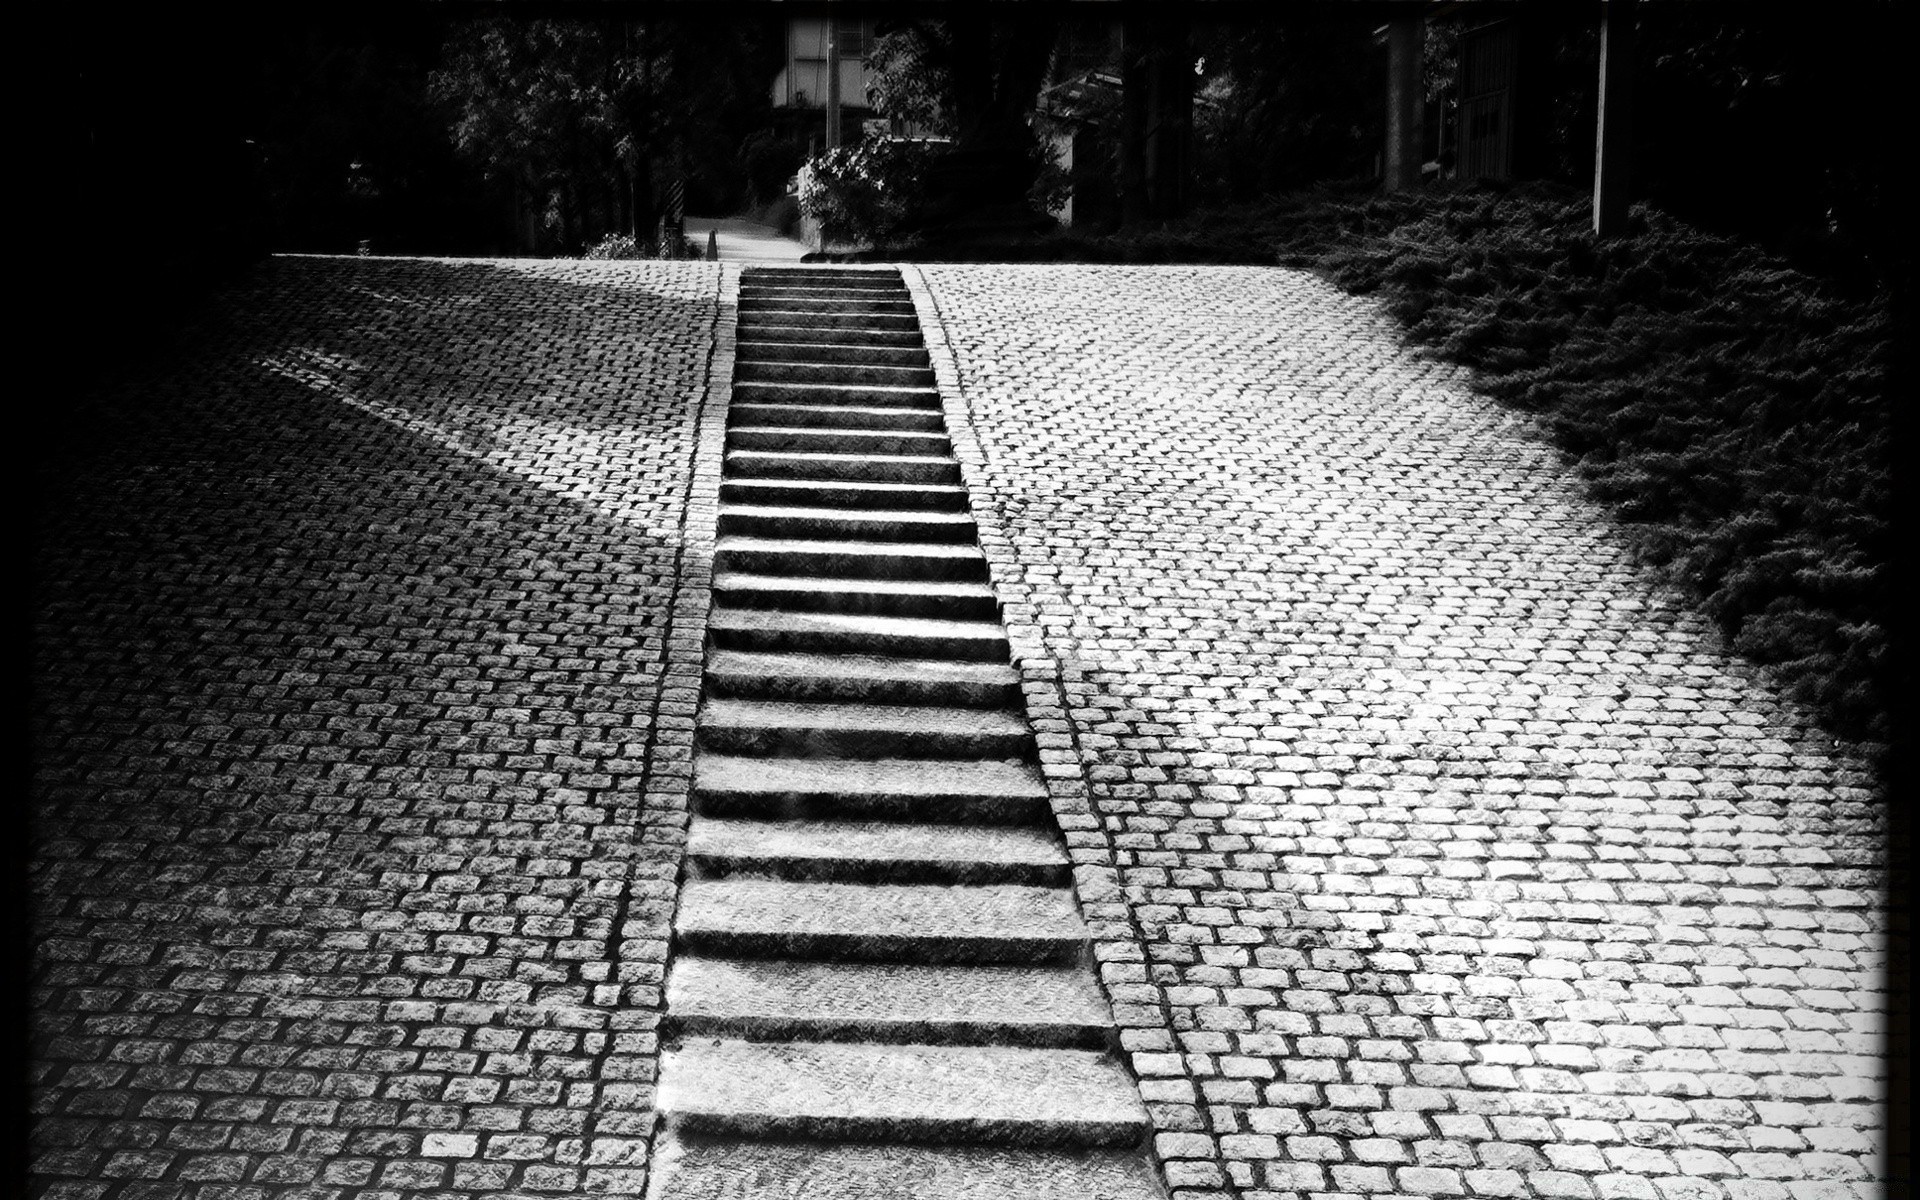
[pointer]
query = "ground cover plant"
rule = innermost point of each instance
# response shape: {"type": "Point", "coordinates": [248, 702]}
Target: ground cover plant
{"type": "Point", "coordinates": [1733, 411]}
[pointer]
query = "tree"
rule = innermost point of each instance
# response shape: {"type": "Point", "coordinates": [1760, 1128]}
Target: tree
{"type": "Point", "coordinates": [974, 77]}
{"type": "Point", "coordinates": [1287, 102]}
{"type": "Point", "coordinates": [589, 119]}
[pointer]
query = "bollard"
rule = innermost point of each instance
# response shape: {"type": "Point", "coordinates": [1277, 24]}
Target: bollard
{"type": "Point", "coordinates": [713, 246]}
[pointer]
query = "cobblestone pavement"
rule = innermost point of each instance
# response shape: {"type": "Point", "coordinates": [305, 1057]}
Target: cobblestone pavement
{"type": "Point", "coordinates": [361, 755]}
{"type": "Point", "coordinates": [1433, 849]}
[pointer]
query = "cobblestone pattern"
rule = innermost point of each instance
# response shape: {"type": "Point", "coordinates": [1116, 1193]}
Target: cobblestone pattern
{"type": "Point", "coordinates": [362, 736]}
{"type": "Point", "coordinates": [1432, 848]}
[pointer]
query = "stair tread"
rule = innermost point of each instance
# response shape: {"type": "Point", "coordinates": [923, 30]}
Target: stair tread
{"type": "Point", "coordinates": [750, 581]}
{"type": "Point", "coordinates": [926, 778]}
{"type": "Point", "coordinates": [839, 457]}
{"type": "Point", "coordinates": [755, 325]}
{"type": "Point", "coordinates": [860, 666]}
{"type": "Point", "coordinates": [752, 465]}
{"type": "Point", "coordinates": [804, 387]}
{"type": "Point", "coordinates": [749, 916]}
{"type": "Point", "coordinates": [825, 431]}
{"type": "Point", "coordinates": [798, 512]}
{"type": "Point", "coordinates": [818, 459]}
{"type": "Point", "coordinates": [762, 411]}
{"type": "Point", "coordinates": [747, 341]}
{"type": "Point", "coordinates": [878, 490]}
{"type": "Point", "coordinates": [887, 998]}
{"type": "Point", "coordinates": [720, 837]}
{"type": "Point", "coordinates": [724, 617]}
{"type": "Point", "coordinates": [903, 718]}
{"type": "Point", "coordinates": [940, 550]}
{"type": "Point", "coordinates": [732, 1168]}
{"type": "Point", "coordinates": [822, 675]}
{"type": "Point", "coordinates": [1021, 1094]}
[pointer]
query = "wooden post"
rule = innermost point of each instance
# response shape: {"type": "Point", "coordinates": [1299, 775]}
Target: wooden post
{"type": "Point", "coordinates": [1134, 40]}
{"type": "Point", "coordinates": [833, 84]}
{"type": "Point", "coordinates": [1613, 139]}
{"type": "Point", "coordinates": [1169, 149]}
{"type": "Point", "coordinates": [1156, 118]}
{"type": "Point", "coordinates": [1406, 37]}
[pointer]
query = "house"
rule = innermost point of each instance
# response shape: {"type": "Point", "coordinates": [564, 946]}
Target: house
{"type": "Point", "coordinates": [802, 89]}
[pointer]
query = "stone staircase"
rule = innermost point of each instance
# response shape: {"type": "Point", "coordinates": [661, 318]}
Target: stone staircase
{"type": "Point", "coordinates": [880, 986]}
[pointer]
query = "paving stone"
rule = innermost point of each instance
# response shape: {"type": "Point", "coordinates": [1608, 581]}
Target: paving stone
{"type": "Point", "coordinates": [1392, 748]}
{"type": "Point", "coordinates": [357, 628]}
{"type": "Point", "coordinates": [1360, 719]}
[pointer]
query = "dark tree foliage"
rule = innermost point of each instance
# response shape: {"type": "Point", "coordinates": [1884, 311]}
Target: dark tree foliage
{"type": "Point", "coordinates": [910, 74]}
{"type": "Point", "coordinates": [587, 120]}
{"type": "Point", "coordinates": [1781, 123]}
{"type": "Point", "coordinates": [972, 76]}
{"type": "Point", "coordinates": [1285, 102]}
{"type": "Point", "coordinates": [1756, 119]}
{"type": "Point", "coordinates": [350, 150]}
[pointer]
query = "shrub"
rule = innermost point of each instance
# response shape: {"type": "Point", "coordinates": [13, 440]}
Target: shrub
{"type": "Point", "coordinates": [620, 245]}
{"type": "Point", "coordinates": [865, 193]}
{"type": "Point", "coordinates": [615, 245]}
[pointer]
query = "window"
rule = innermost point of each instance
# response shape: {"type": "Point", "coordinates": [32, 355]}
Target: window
{"type": "Point", "coordinates": [853, 37]}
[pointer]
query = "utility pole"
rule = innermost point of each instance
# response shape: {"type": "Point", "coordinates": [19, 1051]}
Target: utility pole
{"type": "Point", "coordinates": [833, 85]}
{"type": "Point", "coordinates": [1156, 118]}
{"type": "Point", "coordinates": [1406, 37]}
{"type": "Point", "coordinates": [1613, 140]}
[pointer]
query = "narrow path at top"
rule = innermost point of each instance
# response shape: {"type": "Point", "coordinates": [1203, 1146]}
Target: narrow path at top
{"type": "Point", "coordinates": [743, 241]}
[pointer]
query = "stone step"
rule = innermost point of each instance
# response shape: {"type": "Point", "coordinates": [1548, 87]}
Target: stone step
{"type": "Point", "coordinates": [689, 1168]}
{"type": "Point", "coordinates": [930, 923]}
{"type": "Point", "coordinates": [802, 295]}
{"type": "Point", "coordinates": [829, 678]}
{"type": "Point", "coordinates": [838, 416]}
{"type": "Point", "coordinates": [768, 999]}
{"type": "Point", "coordinates": [827, 306]}
{"type": "Point", "coordinates": [874, 277]}
{"type": "Point", "coordinates": [755, 330]}
{"type": "Point", "coordinates": [776, 312]}
{"type": "Point", "coordinates": [804, 440]}
{"type": "Point", "coordinates": [813, 293]}
{"type": "Point", "coordinates": [860, 468]}
{"type": "Point", "coordinates": [829, 352]}
{"type": "Point", "coordinates": [831, 272]}
{"type": "Point", "coordinates": [845, 524]}
{"type": "Point", "coordinates": [975, 791]}
{"type": "Point", "coordinates": [876, 852]}
{"type": "Point", "coordinates": [875, 395]}
{"type": "Point", "coordinates": [779, 632]}
{"type": "Point", "coordinates": [890, 287]}
{"type": "Point", "coordinates": [1013, 1096]}
{"type": "Point", "coordinates": [831, 493]}
{"type": "Point", "coordinates": [860, 560]}
{"type": "Point", "coordinates": [749, 370]}
{"type": "Point", "coordinates": [860, 730]}
{"type": "Point", "coordinates": [873, 597]}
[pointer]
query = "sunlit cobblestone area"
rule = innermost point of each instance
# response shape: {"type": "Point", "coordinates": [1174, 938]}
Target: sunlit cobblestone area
{"type": "Point", "coordinates": [1433, 849]}
{"type": "Point", "coordinates": [362, 735]}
